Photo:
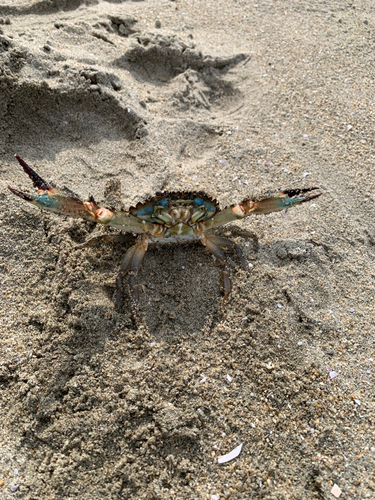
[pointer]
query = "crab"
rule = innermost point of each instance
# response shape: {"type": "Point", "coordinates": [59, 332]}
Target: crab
{"type": "Point", "coordinates": [168, 217]}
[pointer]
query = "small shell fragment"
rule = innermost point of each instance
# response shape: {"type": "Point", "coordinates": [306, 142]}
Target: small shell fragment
{"type": "Point", "coordinates": [229, 378]}
{"type": "Point", "coordinates": [335, 491]}
{"type": "Point", "coordinates": [230, 456]}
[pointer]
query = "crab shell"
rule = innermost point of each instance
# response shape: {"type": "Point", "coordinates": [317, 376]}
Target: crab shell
{"type": "Point", "coordinates": [180, 215]}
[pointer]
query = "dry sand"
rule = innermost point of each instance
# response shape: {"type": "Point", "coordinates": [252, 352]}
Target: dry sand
{"type": "Point", "coordinates": [233, 97]}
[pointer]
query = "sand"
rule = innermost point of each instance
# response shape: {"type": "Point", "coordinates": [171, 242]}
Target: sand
{"type": "Point", "coordinates": [234, 98]}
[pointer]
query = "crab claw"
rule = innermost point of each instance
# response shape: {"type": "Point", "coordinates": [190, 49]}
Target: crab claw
{"type": "Point", "coordinates": [64, 202]}
{"type": "Point", "coordinates": [291, 193]}
{"type": "Point", "coordinates": [280, 201]}
{"type": "Point", "coordinates": [38, 182]}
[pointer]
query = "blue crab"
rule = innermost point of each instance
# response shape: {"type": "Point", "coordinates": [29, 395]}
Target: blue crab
{"type": "Point", "coordinates": [168, 217]}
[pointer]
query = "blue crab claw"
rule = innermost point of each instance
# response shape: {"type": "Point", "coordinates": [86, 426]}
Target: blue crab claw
{"type": "Point", "coordinates": [38, 182]}
{"type": "Point", "coordinates": [280, 201]}
{"type": "Point", "coordinates": [65, 202]}
{"type": "Point", "coordinates": [275, 203]}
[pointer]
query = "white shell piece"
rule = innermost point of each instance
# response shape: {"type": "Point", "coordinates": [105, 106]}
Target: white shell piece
{"type": "Point", "coordinates": [230, 456]}
{"type": "Point", "coordinates": [336, 491]}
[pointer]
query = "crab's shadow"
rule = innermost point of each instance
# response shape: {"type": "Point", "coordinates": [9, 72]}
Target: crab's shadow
{"type": "Point", "coordinates": [181, 284]}
{"type": "Point", "coordinates": [182, 289]}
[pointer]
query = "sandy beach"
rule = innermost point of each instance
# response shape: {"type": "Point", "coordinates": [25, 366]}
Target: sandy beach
{"type": "Point", "coordinates": [237, 99]}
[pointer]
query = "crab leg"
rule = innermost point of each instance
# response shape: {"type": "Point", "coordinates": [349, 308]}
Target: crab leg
{"type": "Point", "coordinates": [226, 243]}
{"type": "Point", "coordinates": [279, 201]}
{"type": "Point", "coordinates": [130, 265]}
{"type": "Point", "coordinates": [211, 245]}
{"type": "Point", "coordinates": [67, 203]}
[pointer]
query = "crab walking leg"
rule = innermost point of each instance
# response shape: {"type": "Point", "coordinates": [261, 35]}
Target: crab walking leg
{"type": "Point", "coordinates": [65, 202]}
{"type": "Point", "coordinates": [226, 243]}
{"type": "Point", "coordinates": [208, 242]}
{"type": "Point", "coordinates": [114, 238]}
{"type": "Point", "coordinates": [124, 268]}
{"type": "Point", "coordinates": [134, 267]}
{"type": "Point", "coordinates": [279, 201]}
{"type": "Point", "coordinates": [130, 265]}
